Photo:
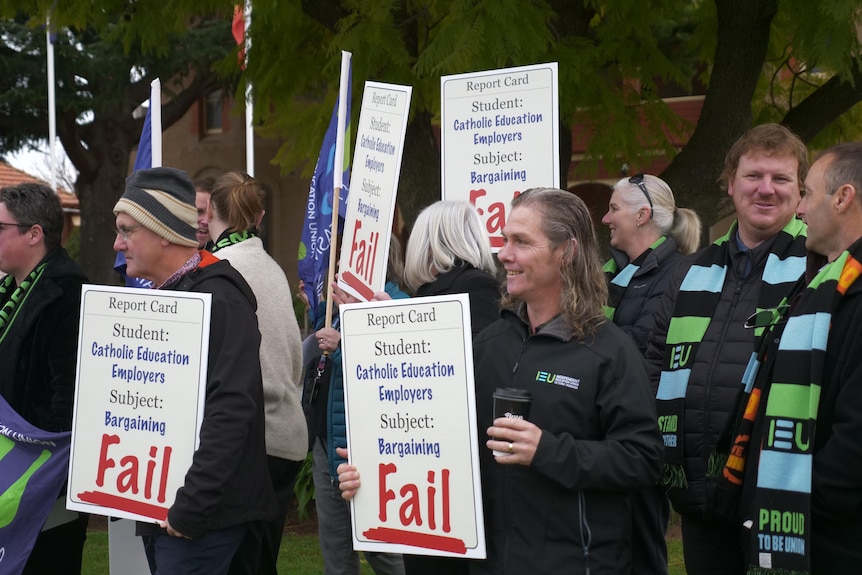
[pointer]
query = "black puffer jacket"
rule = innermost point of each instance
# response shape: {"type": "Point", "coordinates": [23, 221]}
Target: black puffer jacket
{"type": "Point", "coordinates": [714, 387]}
{"type": "Point", "coordinates": [635, 312]}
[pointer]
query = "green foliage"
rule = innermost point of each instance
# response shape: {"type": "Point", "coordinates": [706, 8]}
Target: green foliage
{"type": "Point", "coordinates": [803, 58]}
{"type": "Point", "coordinates": [73, 243]}
{"type": "Point", "coordinates": [613, 59]}
{"type": "Point", "coordinates": [304, 488]}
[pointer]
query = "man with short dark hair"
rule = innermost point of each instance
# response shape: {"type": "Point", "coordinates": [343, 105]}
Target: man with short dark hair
{"type": "Point", "coordinates": [699, 346]}
{"type": "Point", "coordinates": [802, 488]}
{"type": "Point", "coordinates": [40, 300]}
{"type": "Point", "coordinates": [227, 485]}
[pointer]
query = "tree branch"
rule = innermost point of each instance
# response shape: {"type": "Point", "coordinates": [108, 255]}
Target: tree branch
{"type": "Point", "coordinates": [825, 104]}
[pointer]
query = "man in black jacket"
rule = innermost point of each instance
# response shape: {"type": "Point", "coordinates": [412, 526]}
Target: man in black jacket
{"type": "Point", "coordinates": [802, 489]}
{"type": "Point", "coordinates": [699, 346]}
{"type": "Point", "coordinates": [40, 302]}
{"type": "Point", "coordinates": [227, 485]}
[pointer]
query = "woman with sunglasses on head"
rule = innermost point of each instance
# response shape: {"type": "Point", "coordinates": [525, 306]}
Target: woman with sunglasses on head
{"type": "Point", "coordinates": [649, 235]}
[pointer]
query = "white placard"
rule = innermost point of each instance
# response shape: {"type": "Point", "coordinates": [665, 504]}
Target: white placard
{"type": "Point", "coordinates": [139, 399]}
{"type": "Point", "coordinates": [411, 426]}
{"type": "Point", "coordinates": [373, 186]}
{"type": "Point", "coordinates": [499, 136]}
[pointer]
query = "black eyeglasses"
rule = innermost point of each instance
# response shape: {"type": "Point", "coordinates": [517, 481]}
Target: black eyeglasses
{"type": "Point", "coordinates": [766, 317]}
{"type": "Point", "coordinates": [638, 180]}
{"type": "Point", "coordinates": [4, 225]}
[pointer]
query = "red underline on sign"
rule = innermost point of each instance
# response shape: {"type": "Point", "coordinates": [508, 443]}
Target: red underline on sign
{"type": "Point", "coordinates": [357, 284]}
{"type": "Point", "coordinates": [425, 540]}
{"type": "Point", "coordinates": [123, 504]}
{"type": "Point", "coordinates": [496, 242]}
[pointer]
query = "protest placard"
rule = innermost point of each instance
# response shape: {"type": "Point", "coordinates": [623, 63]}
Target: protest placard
{"type": "Point", "coordinates": [411, 426]}
{"type": "Point", "coordinates": [139, 399]}
{"type": "Point", "coordinates": [499, 137]}
{"type": "Point", "coordinates": [373, 186]}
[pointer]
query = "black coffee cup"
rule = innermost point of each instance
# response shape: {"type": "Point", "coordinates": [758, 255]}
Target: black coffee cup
{"type": "Point", "coordinates": [511, 402]}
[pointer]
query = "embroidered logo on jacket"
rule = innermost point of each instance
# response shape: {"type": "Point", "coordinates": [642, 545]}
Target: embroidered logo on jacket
{"type": "Point", "coordinates": [557, 379]}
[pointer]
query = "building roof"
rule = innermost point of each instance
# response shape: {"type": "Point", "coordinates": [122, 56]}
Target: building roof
{"type": "Point", "coordinates": [10, 176]}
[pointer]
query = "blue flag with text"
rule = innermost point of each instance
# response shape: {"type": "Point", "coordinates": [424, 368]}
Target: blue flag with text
{"type": "Point", "coordinates": [143, 160]}
{"type": "Point", "coordinates": [316, 240]}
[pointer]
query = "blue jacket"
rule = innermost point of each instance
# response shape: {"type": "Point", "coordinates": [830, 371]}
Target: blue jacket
{"type": "Point", "coordinates": [336, 427]}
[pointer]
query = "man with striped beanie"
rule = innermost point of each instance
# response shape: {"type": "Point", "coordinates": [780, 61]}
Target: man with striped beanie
{"type": "Point", "coordinates": [227, 486]}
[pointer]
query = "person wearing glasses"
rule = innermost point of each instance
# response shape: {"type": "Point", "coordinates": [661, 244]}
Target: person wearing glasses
{"type": "Point", "coordinates": [40, 300]}
{"type": "Point", "coordinates": [699, 346]}
{"type": "Point", "coordinates": [227, 486]}
{"type": "Point", "coordinates": [649, 235]}
{"type": "Point", "coordinates": [802, 479]}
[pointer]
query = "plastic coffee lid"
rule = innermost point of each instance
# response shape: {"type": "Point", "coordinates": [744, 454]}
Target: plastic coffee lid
{"type": "Point", "coordinates": [512, 393]}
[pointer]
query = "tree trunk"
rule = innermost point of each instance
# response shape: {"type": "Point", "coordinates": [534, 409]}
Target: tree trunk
{"type": "Point", "coordinates": [419, 182]}
{"type": "Point", "coordinates": [742, 35]}
{"type": "Point", "coordinates": [99, 189]}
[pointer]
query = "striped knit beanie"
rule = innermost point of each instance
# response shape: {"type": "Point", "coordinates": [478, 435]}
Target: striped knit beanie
{"type": "Point", "coordinates": [163, 201]}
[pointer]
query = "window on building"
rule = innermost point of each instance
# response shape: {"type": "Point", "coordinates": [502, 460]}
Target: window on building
{"type": "Point", "coordinates": [213, 110]}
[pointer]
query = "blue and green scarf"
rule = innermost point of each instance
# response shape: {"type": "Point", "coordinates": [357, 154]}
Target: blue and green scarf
{"type": "Point", "coordinates": [618, 280]}
{"type": "Point", "coordinates": [780, 537]}
{"type": "Point", "coordinates": [12, 299]}
{"type": "Point", "coordinates": [696, 301]}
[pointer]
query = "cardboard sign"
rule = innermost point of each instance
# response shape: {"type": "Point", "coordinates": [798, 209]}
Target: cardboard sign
{"type": "Point", "coordinates": [500, 136]}
{"type": "Point", "coordinates": [411, 426]}
{"type": "Point", "coordinates": [373, 186]}
{"type": "Point", "coordinates": [139, 399]}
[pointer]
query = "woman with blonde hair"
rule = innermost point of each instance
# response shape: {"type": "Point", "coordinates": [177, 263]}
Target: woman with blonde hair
{"type": "Point", "coordinates": [649, 235]}
{"type": "Point", "coordinates": [449, 252]}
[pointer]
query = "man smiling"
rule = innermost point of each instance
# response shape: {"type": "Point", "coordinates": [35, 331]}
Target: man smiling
{"type": "Point", "coordinates": [699, 346]}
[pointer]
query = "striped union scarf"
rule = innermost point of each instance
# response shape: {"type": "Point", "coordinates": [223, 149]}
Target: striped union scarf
{"type": "Point", "coordinates": [781, 511]}
{"type": "Point", "coordinates": [696, 301]}
{"type": "Point", "coordinates": [618, 280]}
{"type": "Point", "coordinates": [13, 300]}
{"type": "Point", "coordinates": [229, 238]}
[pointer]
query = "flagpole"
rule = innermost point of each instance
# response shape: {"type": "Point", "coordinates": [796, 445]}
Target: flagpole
{"type": "Point", "coordinates": [52, 106]}
{"type": "Point", "coordinates": [337, 174]}
{"type": "Point", "coordinates": [156, 122]}
{"type": "Point", "coordinates": [249, 103]}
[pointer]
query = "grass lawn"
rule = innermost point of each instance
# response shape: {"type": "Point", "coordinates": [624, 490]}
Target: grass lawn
{"type": "Point", "coordinates": [300, 554]}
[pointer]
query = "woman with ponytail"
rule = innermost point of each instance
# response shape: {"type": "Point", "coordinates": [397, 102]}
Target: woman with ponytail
{"type": "Point", "coordinates": [235, 209]}
{"type": "Point", "coordinates": [649, 235]}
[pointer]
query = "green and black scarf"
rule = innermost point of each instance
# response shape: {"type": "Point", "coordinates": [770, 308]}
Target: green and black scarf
{"type": "Point", "coordinates": [696, 301]}
{"type": "Point", "coordinates": [229, 238]}
{"type": "Point", "coordinates": [618, 280]}
{"type": "Point", "coordinates": [12, 300]}
{"type": "Point", "coordinates": [785, 422]}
